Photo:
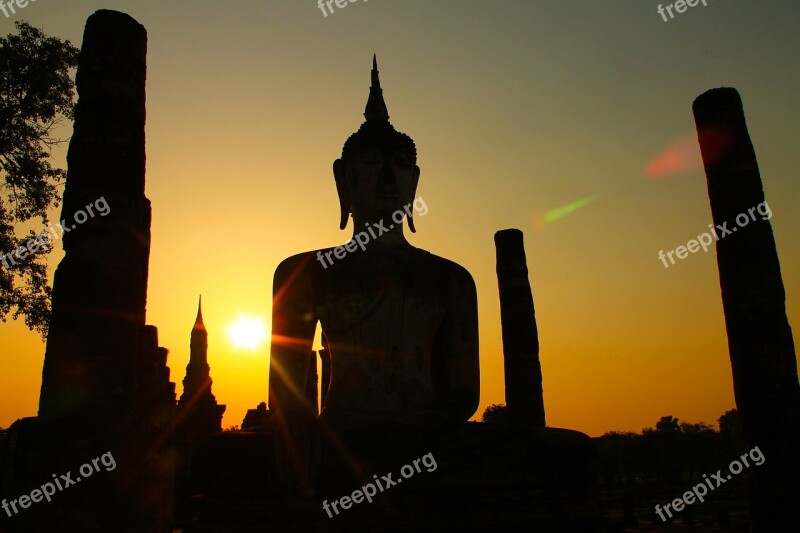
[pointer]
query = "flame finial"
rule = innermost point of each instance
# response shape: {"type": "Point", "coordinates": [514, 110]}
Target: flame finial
{"type": "Point", "coordinates": [376, 107]}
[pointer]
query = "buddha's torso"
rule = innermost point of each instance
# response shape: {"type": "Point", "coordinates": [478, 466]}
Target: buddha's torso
{"type": "Point", "coordinates": [381, 312]}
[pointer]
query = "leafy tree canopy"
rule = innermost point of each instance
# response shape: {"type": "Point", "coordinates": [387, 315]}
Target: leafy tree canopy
{"type": "Point", "coordinates": [36, 96]}
{"type": "Point", "coordinates": [495, 414]}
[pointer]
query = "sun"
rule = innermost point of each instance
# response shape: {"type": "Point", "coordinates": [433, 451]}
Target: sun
{"type": "Point", "coordinates": [247, 332]}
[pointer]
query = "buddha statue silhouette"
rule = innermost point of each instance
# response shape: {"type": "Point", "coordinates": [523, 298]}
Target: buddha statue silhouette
{"type": "Point", "coordinates": [400, 381]}
{"type": "Point", "coordinates": [400, 324]}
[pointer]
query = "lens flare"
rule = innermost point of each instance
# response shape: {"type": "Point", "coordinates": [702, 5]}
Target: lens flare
{"type": "Point", "coordinates": [540, 221]}
{"type": "Point", "coordinates": [561, 212]}
{"type": "Point", "coordinates": [682, 155]}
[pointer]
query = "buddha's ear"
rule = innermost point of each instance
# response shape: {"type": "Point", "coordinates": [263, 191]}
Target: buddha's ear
{"type": "Point", "coordinates": [414, 183]}
{"type": "Point", "coordinates": [343, 191]}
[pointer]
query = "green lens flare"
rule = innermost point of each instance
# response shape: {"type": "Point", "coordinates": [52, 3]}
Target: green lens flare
{"type": "Point", "coordinates": [555, 214]}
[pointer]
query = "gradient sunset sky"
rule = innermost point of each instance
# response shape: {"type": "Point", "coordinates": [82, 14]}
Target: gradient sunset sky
{"type": "Point", "coordinates": [517, 108]}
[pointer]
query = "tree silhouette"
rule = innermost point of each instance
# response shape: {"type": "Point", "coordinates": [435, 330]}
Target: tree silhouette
{"type": "Point", "coordinates": [36, 95]}
{"type": "Point", "coordinates": [699, 447]}
{"type": "Point", "coordinates": [730, 425]}
{"type": "Point", "coordinates": [668, 451]}
{"type": "Point", "coordinates": [730, 432]}
{"type": "Point", "coordinates": [667, 424]}
{"type": "Point", "coordinates": [495, 414]}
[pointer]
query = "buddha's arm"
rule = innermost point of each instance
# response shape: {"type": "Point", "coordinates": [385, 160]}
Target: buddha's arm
{"type": "Point", "coordinates": [459, 342]}
{"type": "Point", "coordinates": [293, 325]}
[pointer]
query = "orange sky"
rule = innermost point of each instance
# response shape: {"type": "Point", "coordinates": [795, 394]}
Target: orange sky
{"type": "Point", "coordinates": [517, 108]}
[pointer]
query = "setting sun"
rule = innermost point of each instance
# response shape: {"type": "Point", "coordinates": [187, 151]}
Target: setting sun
{"type": "Point", "coordinates": [247, 332]}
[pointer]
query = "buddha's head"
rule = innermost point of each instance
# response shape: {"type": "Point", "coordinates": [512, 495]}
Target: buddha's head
{"type": "Point", "coordinates": [377, 174]}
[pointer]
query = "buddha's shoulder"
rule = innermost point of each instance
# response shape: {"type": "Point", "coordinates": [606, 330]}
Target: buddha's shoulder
{"type": "Point", "coordinates": [296, 264]}
{"type": "Point", "coordinates": [435, 264]}
{"type": "Point", "coordinates": [312, 263]}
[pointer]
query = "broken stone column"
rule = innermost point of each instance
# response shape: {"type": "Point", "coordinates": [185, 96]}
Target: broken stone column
{"type": "Point", "coordinates": [760, 339]}
{"type": "Point", "coordinates": [523, 371]}
{"type": "Point", "coordinates": [105, 383]}
{"type": "Point", "coordinates": [100, 286]}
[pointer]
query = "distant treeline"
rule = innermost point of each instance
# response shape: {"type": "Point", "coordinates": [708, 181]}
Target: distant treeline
{"type": "Point", "coordinates": [671, 451]}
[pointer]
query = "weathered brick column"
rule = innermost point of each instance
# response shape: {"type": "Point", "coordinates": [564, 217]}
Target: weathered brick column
{"type": "Point", "coordinates": [100, 287]}
{"type": "Point", "coordinates": [759, 336]}
{"type": "Point", "coordinates": [523, 371]}
{"type": "Point", "coordinates": [105, 383]}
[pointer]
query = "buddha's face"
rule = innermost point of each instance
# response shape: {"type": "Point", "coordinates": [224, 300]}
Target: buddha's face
{"type": "Point", "coordinates": [380, 179]}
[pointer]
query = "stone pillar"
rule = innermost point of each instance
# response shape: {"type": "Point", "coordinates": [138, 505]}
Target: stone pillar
{"type": "Point", "coordinates": [760, 340]}
{"type": "Point", "coordinates": [105, 383]}
{"type": "Point", "coordinates": [100, 287]}
{"type": "Point", "coordinates": [523, 372]}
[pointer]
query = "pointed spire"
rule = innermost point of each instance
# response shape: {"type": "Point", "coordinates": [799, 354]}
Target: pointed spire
{"type": "Point", "coordinates": [198, 323]}
{"type": "Point", "coordinates": [376, 107]}
{"type": "Point", "coordinates": [376, 82]}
